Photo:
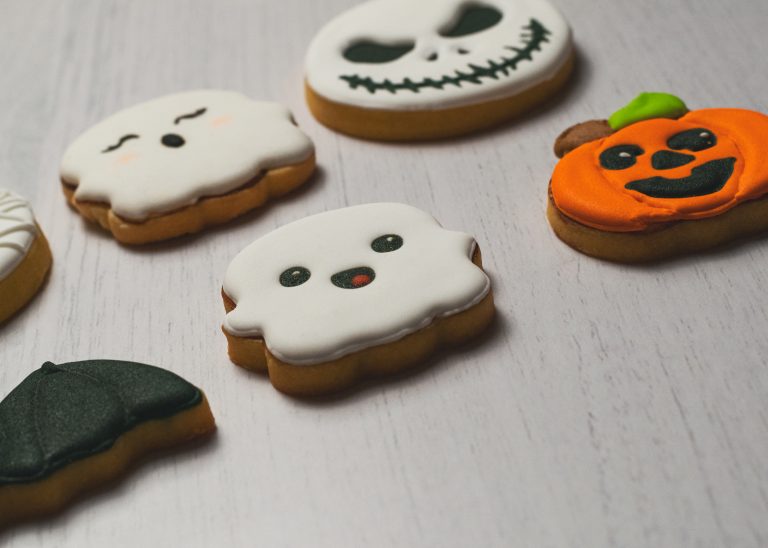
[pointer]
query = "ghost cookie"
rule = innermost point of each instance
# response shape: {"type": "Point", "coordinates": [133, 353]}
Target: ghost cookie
{"type": "Point", "coordinates": [657, 180]}
{"type": "Point", "coordinates": [402, 70]}
{"type": "Point", "coordinates": [25, 257]}
{"type": "Point", "coordinates": [68, 429]}
{"type": "Point", "coordinates": [180, 163]}
{"type": "Point", "coordinates": [357, 292]}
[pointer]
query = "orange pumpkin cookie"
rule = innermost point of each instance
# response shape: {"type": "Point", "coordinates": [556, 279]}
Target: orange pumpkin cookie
{"type": "Point", "coordinates": [657, 180]}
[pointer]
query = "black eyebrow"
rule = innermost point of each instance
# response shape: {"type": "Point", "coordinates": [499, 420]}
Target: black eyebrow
{"type": "Point", "coordinates": [117, 145]}
{"type": "Point", "coordinates": [198, 112]}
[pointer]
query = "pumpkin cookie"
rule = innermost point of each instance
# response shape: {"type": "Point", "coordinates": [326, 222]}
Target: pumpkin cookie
{"type": "Point", "coordinates": [183, 162]}
{"type": "Point", "coordinates": [25, 257]}
{"type": "Point", "coordinates": [402, 70]}
{"type": "Point", "coordinates": [363, 291]}
{"type": "Point", "coordinates": [69, 429]}
{"type": "Point", "coordinates": [657, 180]}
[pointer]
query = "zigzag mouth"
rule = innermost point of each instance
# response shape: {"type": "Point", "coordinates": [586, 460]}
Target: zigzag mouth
{"type": "Point", "coordinates": [534, 36]}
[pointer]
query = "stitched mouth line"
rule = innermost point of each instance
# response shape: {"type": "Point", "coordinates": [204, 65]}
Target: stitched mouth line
{"type": "Point", "coordinates": [534, 36]}
{"type": "Point", "coordinates": [703, 180]}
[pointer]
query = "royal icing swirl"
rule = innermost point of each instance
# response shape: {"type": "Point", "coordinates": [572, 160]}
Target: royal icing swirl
{"type": "Point", "coordinates": [17, 231]}
{"type": "Point", "coordinates": [342, 281]}
{"type": "Point", "coordinates": [436, 54]}
{"type": "Point", "coordinates": [170, 152]}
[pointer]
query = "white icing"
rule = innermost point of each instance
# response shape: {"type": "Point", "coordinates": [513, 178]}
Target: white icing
{"type": "Point", "coordinates": [17, 231]}
{"type": "Point", "coordinates": [430, 276]}
{"type": "Point", "coordinates": [225, 147]}
{"type": "Point", "coordinates": [420, 22]}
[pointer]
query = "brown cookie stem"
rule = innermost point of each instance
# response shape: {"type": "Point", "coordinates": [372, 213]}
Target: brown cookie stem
{"type": "Point", "coordinates": [577, 135]}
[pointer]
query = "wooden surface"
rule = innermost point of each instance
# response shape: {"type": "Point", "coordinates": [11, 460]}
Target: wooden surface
{"type": "Point", "coordinates": [609, 406]}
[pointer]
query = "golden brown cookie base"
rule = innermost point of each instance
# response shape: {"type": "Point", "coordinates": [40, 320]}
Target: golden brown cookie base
{"type": "Point", "coordinates": [207, 212]}
{"type": "Point", "coordinates": [385, 359]}
{"type": "Point", "coordinates": [422, 125]}
{"type": "Point", "coordinates": [25, 281]}
{"type": "Point", "coordinates": [31, 500]}
{"type": "Point", "coordinates": [664, 241]}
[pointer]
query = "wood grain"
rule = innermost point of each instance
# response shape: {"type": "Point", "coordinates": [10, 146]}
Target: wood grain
{"type": "Point", "coordinates": [610, 405]}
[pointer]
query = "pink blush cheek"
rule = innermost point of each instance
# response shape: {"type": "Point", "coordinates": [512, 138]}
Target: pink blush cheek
{"type": "Point", "coordinates": [221, 121]}
{"type": "Point", "coordinates": [126, 159]}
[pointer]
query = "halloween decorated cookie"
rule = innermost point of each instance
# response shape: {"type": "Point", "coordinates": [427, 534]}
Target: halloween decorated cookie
{"type": "Point", "coordinates": [180, 163]}
{"type": "Point", "coordinates": [657, 180]}
{"type": "Point", "coordinates": [25, 257]}
{"type": "Point", "coordinates": [363, 291]}
{"type": "Point", "coordinates": [71, 428]}
{"type": "Point", "coordinates": [426, 69]}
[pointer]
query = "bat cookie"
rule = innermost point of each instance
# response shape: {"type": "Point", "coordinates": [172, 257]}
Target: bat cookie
{"type": "Point", "coordinates": [657, 180]}
{"type": "Point", "coordinates": [25, 257]}
{"type": "Point", "coordinates": [71, 428]}
{"type": "Point", "coordinates": [362, 291]}
{"type": "Point", "coordinates": [178, 164]}
{"type": "Point", "coordinates": [406, 70]}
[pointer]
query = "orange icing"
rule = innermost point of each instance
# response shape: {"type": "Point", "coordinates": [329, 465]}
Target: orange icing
{"type": "Point", "coordinates": [583, 190]}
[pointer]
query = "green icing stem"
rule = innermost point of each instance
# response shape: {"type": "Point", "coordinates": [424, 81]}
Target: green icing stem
{"type": "Point", "coordinates": [647, 106]}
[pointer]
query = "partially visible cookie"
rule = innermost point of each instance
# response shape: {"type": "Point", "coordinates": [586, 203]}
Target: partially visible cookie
{"type": "Point", "coordinates": [25, 257]}
{"type": "Point", "coordinates": [72, 428]}
{"type": "Point", "coordinates": [657, 180]}
{"type": "Point", "coordinates": [180, 163]}
{"type": "Point", "coordinates": [364, 291]}
{"type": "Point", "coordinates": [405, 70]}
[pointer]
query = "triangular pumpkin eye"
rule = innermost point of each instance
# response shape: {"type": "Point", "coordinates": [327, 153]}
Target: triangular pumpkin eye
{"type": "Point", "coordinates": [372, 52]}
{"type": "Point", "coordinates": [474, 18]}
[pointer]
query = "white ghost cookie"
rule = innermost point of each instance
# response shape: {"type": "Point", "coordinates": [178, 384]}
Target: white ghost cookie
{"type": "Point", "coordinates": [408, 70]}
{"type": "Point", "coordinates": [350, 293]}
{"type": "Point", "coordinates": [25, 257]}
{"type": "Point", "coordinates": [177, 164]}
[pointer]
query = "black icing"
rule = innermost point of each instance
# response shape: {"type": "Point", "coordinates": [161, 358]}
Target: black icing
{"type": "Point", "coordinates": [191, 115]}
{"type": "Point", "coordinates": [620, 157]}
{"type": "Point", "coordinates": [665, 159]}
{"type": "Point", "coordinates": [172, 140]}
{"type": "Point", "coordinates": [354, 278]}
{"type": "Point", "coordinates": [294, 276]}
{"type": "Point", "coordinates": [704, 179]}
{"type": "Point", "coordinates": [472, 19]}
{"type": "Point", "coordinates": [64, 413]}
{"type": "Point", "coordinates": [694, 140]}
{"type": "Point", "coordinates": [368, 51]}
{"type": "Point", "coordinates": [387, 243]}
{"type": "Point", "coordinates": [120, 142]}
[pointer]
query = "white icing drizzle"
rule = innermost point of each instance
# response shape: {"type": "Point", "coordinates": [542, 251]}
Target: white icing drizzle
{"type": "Point", "coordinates": [397, 22]}
{"type": "Point", "coordinates": [430, 276]}
{"type": "Point", "coordinates": [169, 152]}
{"type": "Point", "coordinates": [17, 231]}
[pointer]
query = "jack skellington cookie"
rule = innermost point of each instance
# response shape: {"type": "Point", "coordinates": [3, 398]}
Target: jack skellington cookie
{"type": "Point", "coordinates": [25, 257]}
{"type": "Point", "coordinates": [180, 163]}
{"type": "Point", "coordinates": [657, 180]}
{"type": "Point", "coordinates": [362, 291]}
{"type": "Point", "coordinates": [407, 70]}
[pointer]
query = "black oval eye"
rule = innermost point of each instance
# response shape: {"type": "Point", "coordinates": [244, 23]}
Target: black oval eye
{"type": "Point", "coordinates": [294, 276]}
{"type": "Point", "coordinates": [172, 140]}
{"type": "Point", "coordinates": [387, 243]}
{"type": "Point", "coordinates": [473, 19]}
{"type": "Point", "coordinates": [693, 140]}
{"type": "Point", "coordinates": [620, 157]}
{"type": "Point", "coordinates": [372, 52]}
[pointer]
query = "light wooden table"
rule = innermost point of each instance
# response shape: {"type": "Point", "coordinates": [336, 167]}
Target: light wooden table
{"type": "Point", "coordinates": [609, 406]}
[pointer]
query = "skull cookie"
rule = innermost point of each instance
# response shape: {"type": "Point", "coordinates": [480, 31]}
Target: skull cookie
{"type": "Point", "coordinates": [657, 180]}
{"type": "Point", "coordinates": [363, 291]}
{"type": "Point", "coordinates": [177, 164]}
{"type": "Point", "coordinates": [405, 70]}
{"type": "Point", "coordinates": [25, 257]}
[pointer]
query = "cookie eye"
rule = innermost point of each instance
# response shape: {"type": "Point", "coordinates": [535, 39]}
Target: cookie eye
{"type": "Point", "coordinates": [294, 276]}
{"type": "Point", "coordinates": [387, 243]}
{"type": "Point", "coordinates": [620, 157]}
{"type": "Point", "coordinates": [693, 140]}
{"type": "Point", "coordinates": [473, 19]}
{"type": "Point", "coordinates": [372, 52]}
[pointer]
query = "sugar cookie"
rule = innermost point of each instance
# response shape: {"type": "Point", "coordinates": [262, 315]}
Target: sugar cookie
{"type": "Point", "coordinates": [183, 162]}
{"type": "Point", "coordinates": [362, 291]}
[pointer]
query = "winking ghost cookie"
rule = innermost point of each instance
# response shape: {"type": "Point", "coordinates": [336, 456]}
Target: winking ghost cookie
{"type": "Point", "coordinates": [363, 291]}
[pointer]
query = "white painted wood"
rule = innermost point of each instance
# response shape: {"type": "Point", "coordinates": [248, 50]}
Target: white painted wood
{"type": "Point", "coordinates": [610, 406]}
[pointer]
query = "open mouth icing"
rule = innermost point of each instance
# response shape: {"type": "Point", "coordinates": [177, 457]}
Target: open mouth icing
{"type": "Point", "coordinates": [704, 179]}
{"type": "Point", "coordinates": [534, 37]}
